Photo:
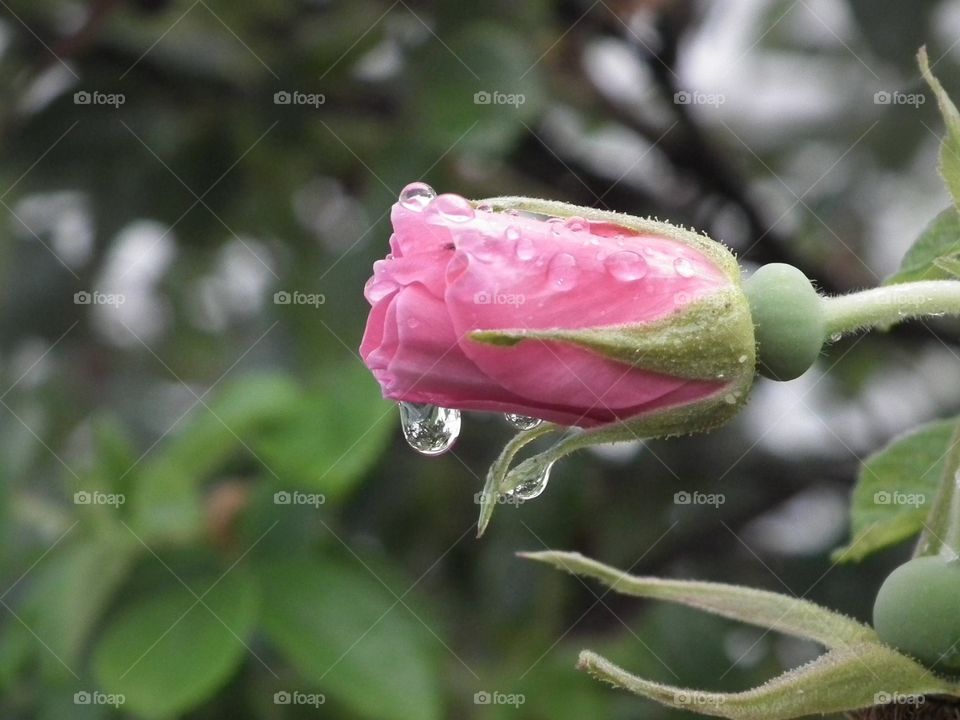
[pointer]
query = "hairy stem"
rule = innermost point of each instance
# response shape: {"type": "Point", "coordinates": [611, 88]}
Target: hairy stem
{"type": "Point", "coordinates": [890, 304]}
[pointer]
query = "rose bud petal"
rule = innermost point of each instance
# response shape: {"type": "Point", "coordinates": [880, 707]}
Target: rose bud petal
{"type": "Point", "coordinates": [624, 326]}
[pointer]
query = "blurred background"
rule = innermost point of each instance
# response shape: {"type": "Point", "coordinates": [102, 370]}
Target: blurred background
{"type": "Point", "coordinates": [207, 510]}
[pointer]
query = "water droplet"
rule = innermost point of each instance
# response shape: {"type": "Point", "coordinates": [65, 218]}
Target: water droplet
{"type": "Point", "coordinates": [525, 249]}
{"type": "Point", "coordinates": [512, 233]}
{"type": "Point", "coordinates": [576, 224]}
{"type": "Point", "coordinates": [416, 196]}
{"type": "Point", "coordinates": [522, 422]}
{"type": "Point", "coordinates": [563, 271]}
{"type": "Point", "coordinates": [454, 208]}
{"type": "Point", "coordinates": [730, 399]}
{"type": "Point", "coordinates": [430, 430]}
{"type": "Point", "coordinates": [534, 487]}
{"type": "Point", "coordinates": [683, 267]}
{"type": "Point", "coordinates": [742, 359]}
{"type": "Point", "coordinates": [484, 207]}
{"type": "Point", "coordinates": [625, 265]}
{"type": "Point", "coordinates": [835, 337]}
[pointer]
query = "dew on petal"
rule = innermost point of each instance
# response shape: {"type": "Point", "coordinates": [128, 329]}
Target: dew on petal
{"type": "Point", "coordinates": [512, 233]}
{"type": "Point", "coordinates": [684, 267]}
{"type": "Point", "coordinates": [625, 265]}
{"type": "Point", "coordinates": [563, 271]}
{"type": "Point", "coordinates": [428, 429]}
{"type": "Point", "coordinates": [454, 207]}
{"type": "Point", "coordinates": [525, 249]}
{"type": "Point", "coordinates": [416, 196]}
{"type": "Point", "coordinates": [576, 224]}
{"type": "Point", "coordinates": [484, 207]}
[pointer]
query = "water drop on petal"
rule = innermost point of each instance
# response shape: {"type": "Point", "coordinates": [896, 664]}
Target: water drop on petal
{"type": "Point", "coordinates": [625, 265]}
{"type": "Point", "coordinates": [563, 271]}
{"type": "Point", "coordinates": [525, 249]}
{"type": "Point", "coordinates": [684, 267]}
{"type": "Point", "coordinates": [430, 430]}
{"type": "Point", "coordinates": [512, 233]}
{"type": "Point", "coordinates": [533, 487]}
{"type": "Point", "coordinates": [522, 422]}
{"type": "Point", "coordinates": [454, 207]}
{"type": "Point", "coordinates": [416, 196]}
{"type": "Point", "coordinates": [576, 224]}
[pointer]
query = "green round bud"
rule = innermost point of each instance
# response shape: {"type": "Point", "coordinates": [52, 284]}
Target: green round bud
{"type": "Point", "coordinates": [788, 320]}
{"type": "Point", "coordinates": [917, 612]}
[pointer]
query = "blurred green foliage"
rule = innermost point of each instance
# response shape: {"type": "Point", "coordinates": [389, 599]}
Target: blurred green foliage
{"type": "Point", "coordinates": [185, 582]}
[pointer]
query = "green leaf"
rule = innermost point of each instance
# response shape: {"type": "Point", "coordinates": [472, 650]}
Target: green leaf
{"type": "Point", "coordinates": [950, 264]}
{"type": "Point", "coordinates": [165, 504]}
{"type": "Point", "coordinates": [789, 615]}
{"type": "Point", "coordinates": [347, 635]}
{"type": "Point", "coordinates": [74, 586]}
{"type": "Point", "coordinates": [167, 653]}
{"type": "Point", "coordinates": [895, 489]}
{"type": "Point", "coordinates": [938, 242]}
{"type": "Point", "coordinates": [844, 679]}
{"type": "Point", "coordinates": [335, 432]}
{"type": "Point", "coordinates": [950, 146]}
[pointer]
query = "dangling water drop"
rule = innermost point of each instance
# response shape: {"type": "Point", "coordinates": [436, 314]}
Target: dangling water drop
{"type": "Point", "coordinates": [625, 265]}
{"type": "Point", "coordinates": [563, 271]}
{"type": "Point", "coordinates": [684, 267]}
{"type": "Point", "coordinates": [525, 249]}
{"type": "Point", "coordinates": [454, 208]}
{"type": "Point", "coordinates": [522, 422]}
{"type": "Point", "coordinates": [416, 196]}
{"type": "Point", "coordinates": [533, 487]}
{"type": "Point", "coordinates": [430, 430]}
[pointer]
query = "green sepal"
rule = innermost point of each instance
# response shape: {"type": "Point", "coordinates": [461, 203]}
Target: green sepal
{"type": "Point", "coordinates": [713, 250]}
{"type": "Point", "coordinates": [841, 680]}
{"type": "Point", "coordinates": [773, 611]}
{"type": "Point", "coordinates": [858, 671]}
{"type": "Point", "coordinates": [490, 495]}
{"type": "Point", "coordinates": [708, 339]}
{"type": "Point", "coordinates": [705, 414]}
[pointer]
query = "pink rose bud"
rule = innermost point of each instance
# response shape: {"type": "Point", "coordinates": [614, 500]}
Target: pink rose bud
{"type": "Point", "coordinates": [542, 310]}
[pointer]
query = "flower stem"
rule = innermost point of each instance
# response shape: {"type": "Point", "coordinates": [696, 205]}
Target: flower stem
{"type": "Point", "coordinates": [890, 304]}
